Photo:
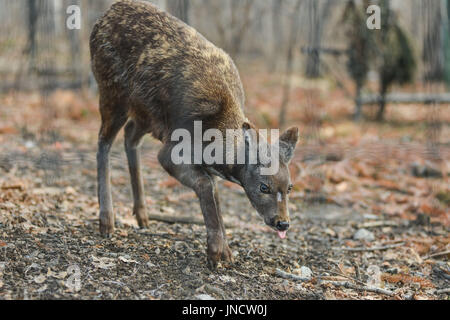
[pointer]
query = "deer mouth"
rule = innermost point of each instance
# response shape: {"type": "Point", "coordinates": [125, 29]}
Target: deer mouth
{"type": "Point", "coordinates": [282, 234]}
{"type": "Point", "coordinates": [279, 227]}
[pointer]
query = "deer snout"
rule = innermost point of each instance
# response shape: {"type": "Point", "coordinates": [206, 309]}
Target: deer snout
{"type": "Point", "coordinates": [282, 225]}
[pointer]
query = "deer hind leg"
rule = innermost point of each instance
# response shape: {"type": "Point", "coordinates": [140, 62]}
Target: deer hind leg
{"type": "Point", "coordinates": [133, 137]}
{"type": "Point", "coordinates": [112, 122]}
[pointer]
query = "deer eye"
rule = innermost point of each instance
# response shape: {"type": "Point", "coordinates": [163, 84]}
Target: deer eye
{"type": "Point", "coordinates": [264, 188]}
{"type": "Point", "coordinates": [289, 188]}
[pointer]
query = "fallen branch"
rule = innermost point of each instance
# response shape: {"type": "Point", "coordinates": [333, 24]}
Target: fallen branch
{"type": "Point", "coordinates": [163, 235]}
{"type": "Point", "coordinates": [439, 98]}
{"type": "Point", "coordinates": [438, 254]}
{"type": "Point", "coordinates": [290, 276]}
{"type": "Point", "coordinates": [181, 219]}
{"type": "Point", "coordinates": [13, 187]}
{"type": "Point", "coordinates": [441, 291]}
{"type": "Point", "coordinates": [340, 274]}
{"type": "Point", "coordinates": [175, 219]}
{"type": "Point", "coordinates": [361, 249]}
{"type": "Point", "coordinates": [350, 285]}
{"type": "Point", "coordinates": [377, 224]}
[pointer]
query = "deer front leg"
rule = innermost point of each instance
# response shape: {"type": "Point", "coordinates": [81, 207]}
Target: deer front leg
{"type": "Point", "coordinates": [226, 252]}
{"type": "Point", "coordinates": [203, 184]}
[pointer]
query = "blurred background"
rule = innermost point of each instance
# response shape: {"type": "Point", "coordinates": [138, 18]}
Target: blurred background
{"type": "Point", "coordinates": [371, 192]}
{"type": "Point", "coordinates": [308, 44]}
{"type": "Point", "coordinates": [372, 105]}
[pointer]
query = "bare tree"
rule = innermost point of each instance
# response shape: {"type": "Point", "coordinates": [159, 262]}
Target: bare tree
{"type": "Point", "coordinates": [318, 17]}
{"type": "Point", "coordinates": [277, 33]}
{"type": "Point", "coordinates": [287, 82]}
{"type": "Point", "coordinates": [179, 8]}
{"type": "Point", "coordinates": [447, 43]}
{"type": "Point", "coordinates": [33, 15]}
{"type": "Point", "coordinates": [433, 46]}
{"type": "Point", "coordinates": [360, 43]}
{"type": "Point", "coordinates": [239, 23]}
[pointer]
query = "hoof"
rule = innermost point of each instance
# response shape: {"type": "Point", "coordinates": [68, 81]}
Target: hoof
{"type": "Point", "coordinates": [142, 222]}
{"type": "Point", "coordinates": [217, 253]}
{"type": "Point", "coordinates": [106, 226]}
{"type": "Point", "coordinates": [141, 217]}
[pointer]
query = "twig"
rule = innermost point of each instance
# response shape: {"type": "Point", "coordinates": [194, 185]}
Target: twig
{"type": "Point", "coordinates": [350, 285]}
{"type": "Point", "coordinates": [343, 275]}
{"type": "Point", "coordinates": [290, 276]}
{"type": "Point", "coordinates": [181, 219]}
{"type": "Point", "coordinates": [243, 274]}
{"type": "Point", "coordinates": [441, 291]}
{"type": "Point", "coordinates": [163, 235]}
{"type": "Point", "coordinates": [13, 187]}
{"type": "Point", "coordinates": [377, 224]}
{"type": "Point", "coordinates": [357, 271]}
{"type": "Point", "coordinates": [438, 254]}
{"type": "Point", "coordinates": [361, 249]}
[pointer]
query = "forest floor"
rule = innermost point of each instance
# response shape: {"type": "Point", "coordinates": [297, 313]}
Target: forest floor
{"type": "Point", "coordinates": [363, 227]}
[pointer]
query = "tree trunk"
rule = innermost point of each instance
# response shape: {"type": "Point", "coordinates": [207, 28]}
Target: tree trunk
{"type": "Point", "coordinates": [239, 29]}
{"type": "Point", "coordinates": [446, 32]}
{"type": "Point", "coordinates": [33, 14]}
{"type": "Point", "coordinates": [382, 103]}
{"type": "Point", "coordinates": [179, 8]}
{"type": "Point", "coordinates": [433, 52]}
{"type": "Point", "coordinates": [289, 63]}
{"type": "Point", "coordinates": [277, 33]}
{"type": "Point", "coordinates": [318, 18]}
{"type": "Point", "coordinates": [358, 103]}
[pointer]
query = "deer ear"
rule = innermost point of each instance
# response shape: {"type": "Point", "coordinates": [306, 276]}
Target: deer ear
{"type": "Point", "coordinates": [287, 143]}
{"type": "Point", "coordinates": [248, 133]}
{"type": "Point", "coordinates": [246, 126]}
{"type": "Point", "coordinates": [250, 138]}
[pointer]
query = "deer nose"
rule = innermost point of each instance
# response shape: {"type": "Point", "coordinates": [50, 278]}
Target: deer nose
{"type": "Point", "coordinates": [282, 225]}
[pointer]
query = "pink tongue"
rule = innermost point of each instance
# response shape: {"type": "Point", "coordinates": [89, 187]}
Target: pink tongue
{"type": "Point", "coordinates": [282, 234]}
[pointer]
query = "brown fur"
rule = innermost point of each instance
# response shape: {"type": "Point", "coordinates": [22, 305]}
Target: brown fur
{"type": "Point", "coordinates": [156, 74]}
{"type": "Point", "coordinates": [162, 71]}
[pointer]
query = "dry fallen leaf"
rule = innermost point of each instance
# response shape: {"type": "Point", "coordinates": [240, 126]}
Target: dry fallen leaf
{"type": "Point", "coordinates": [127, 259]}
{"type": "Point", "coordinates": [103, 262]}
{"type": "Point", "coordinates": [40, 278]}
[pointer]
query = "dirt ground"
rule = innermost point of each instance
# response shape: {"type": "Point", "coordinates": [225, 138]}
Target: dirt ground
{"type": "Point", "coordinates": [364, 225]}
{"type": "Point", "coordinates": [49, 240]}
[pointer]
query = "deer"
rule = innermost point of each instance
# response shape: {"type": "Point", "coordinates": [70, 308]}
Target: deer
{"type": "Point", "coordinates": [156, 74]}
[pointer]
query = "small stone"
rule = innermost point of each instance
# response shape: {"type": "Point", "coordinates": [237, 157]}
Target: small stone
{"type": "Point", "coordinates": [364, 234]}
{"type": "Point", "coordinates": [204, 297]}
{"type": "Point", "coordinates": [306, 272]}
{"type": "Point", "coordinates": [187, 271]}
{"type": "Point", "coordinates": [370, 216]}
{"type": "Point", "coordinates": [303, 272]}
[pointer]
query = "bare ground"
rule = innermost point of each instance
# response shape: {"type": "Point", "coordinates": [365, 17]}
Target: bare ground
{"type": "Point", "coordinates": [49, 239]}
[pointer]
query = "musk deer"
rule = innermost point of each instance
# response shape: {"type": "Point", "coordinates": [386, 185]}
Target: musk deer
{"type": "Point", "coordinates": [156, 74]}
